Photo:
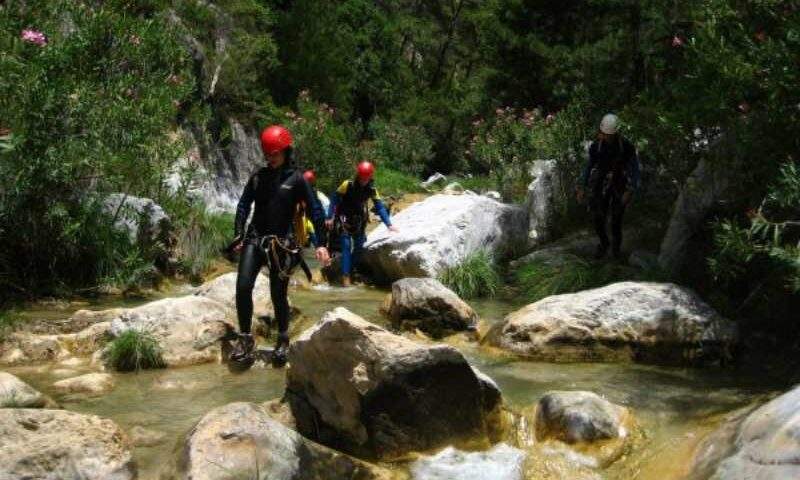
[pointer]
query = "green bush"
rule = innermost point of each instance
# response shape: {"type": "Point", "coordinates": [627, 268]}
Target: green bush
{"type": "Point", "coordinates": [134, 350]}
{"type": "Point", "coordinates": [475, 277]}
{"type": "Point", "coordinates": [406, 149]}
{"type": "Point", "coordinates": [570, 273]}
{"type": "Point", "coordinates": [390, 182]}
{"type": "Point", "coordinates": [200, 237]}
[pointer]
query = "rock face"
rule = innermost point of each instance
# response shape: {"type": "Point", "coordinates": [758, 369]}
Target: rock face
{"type": "Point", "coordinates": [91, 383]}
{"type": "Point", "coordinates": [441, 232]}
{"type": "Point", "coordinates": [706, 187]}
{"type": "Point", "coordinates": [361, 389]}
{"type": "Point", "coordinates": [648, 322]}
{"type": "Point", "coordinates": [223, 290]}
{"type": "Point", "coordinates": [23, 347]}
{"type": "Point", "coordinates": [136, 215]}
{"type": "Point", "coordinates": [221, 172]}
{"type": "Point", "coordinates": [426, 304]}
{"type": "Point", "coordinates": [188, 329]}
{"type": "Point", "coordinates": [59, 444]}
{"type": "Point", "coordinates": [435, 179]}
{"type": "Point", "coordinates": [574, 417]}
{"type": "Point", "coordinates": [240, 440]}
{"type": "Point", "coordinates": [14, 393]}
{"type": "Point", "coordinates": [502, 462]}
{"type": "Point", "coordinates": [542, 201]}
{"type": "Point", "coordinates": [763, 444]}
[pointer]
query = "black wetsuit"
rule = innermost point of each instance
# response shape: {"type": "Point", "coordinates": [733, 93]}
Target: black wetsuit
{"type": "Point", "coordinates": [276, 194]}
{"type": "Point", "coordinates": [612, 170]}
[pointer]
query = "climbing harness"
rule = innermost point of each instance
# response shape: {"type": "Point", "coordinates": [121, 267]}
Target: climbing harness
{"type": "Point", "coordinates": [283, 255]}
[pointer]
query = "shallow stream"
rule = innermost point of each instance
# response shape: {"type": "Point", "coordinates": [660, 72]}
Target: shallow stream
{"type": "Point", "coordinates": [673, 407]}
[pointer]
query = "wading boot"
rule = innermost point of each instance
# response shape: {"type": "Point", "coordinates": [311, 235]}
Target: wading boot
{"type": "Point", "coordinates": [280, 354]}
{"type": "Point", "coordinates": [346, 281]}
{"type": "Point", "coordinates": [241, 357]}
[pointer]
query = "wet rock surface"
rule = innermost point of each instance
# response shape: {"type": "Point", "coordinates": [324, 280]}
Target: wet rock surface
{"type": "Point", "coordinates": [14, 393]}
{"type": "Point", "coordinates": [638, 321]}
{"type": "Point", "coordinates": [356, 387]}
{"type": "Point", "coordinates": [426, 304]}
{"type": "Point", "coordinates": [763, 444]}
{"type": "Point", "coordinates": [241, 440]}
{"type": "Point", "coordinates": [91, 384]}
{"type": "Point", "coordinates": [59, 444]}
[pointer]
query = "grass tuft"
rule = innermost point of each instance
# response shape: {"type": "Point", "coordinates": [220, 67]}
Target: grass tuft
{"type": "Point", "coordinates": [134, 350]}
{"type": "Point", "coordinates": [570, 273]}
{"type": "Point", "coordinates": [475, 277]}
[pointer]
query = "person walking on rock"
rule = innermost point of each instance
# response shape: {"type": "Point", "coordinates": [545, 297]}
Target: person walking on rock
{"type": "Point", "coordinates": [611, 176]}
{"type": "Point", "coordinates": [276, 190]}
{"type": "Point", "coordinates": [348, 216]}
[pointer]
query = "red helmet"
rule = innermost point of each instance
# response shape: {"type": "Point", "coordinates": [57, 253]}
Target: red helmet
{"type": "Point", "coordinates": [365, 170]}
{"type": "Point", "coordinates": [310, 176]}
{"type": "Point", "coordinates": [275, 139]}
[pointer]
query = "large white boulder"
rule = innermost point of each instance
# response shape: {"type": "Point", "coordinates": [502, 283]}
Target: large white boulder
{"type": "Point", "coordinates": [441, 232]}
{"type": "Point", "coordinates": [242, 440]}
{"type": "Point", "coordinates": [542, 201]}
{"type": "Point", "coordinates": [640, 321]}
{"type": "Point", "coordinates": [188, 329]}
{"type": "Point", "coordinates": [502, 462]}
{"type": "Point", "coordinates": [761, 445]}
{"type": "Point", "coordinates": [14, 393]}
{"type": "Point", "coordinates": [426, 304]}
{"type": "Point", "coordinates": [51, 444]}
{"type": "Point", "coordinates": [361, 389]}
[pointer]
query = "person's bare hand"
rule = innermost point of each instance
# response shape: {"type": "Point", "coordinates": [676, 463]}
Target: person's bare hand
{"type": "Point", "coordinates": [393, 229]}
{"type": "Point", "coordinates": [323, 256]}
{"type": "Point", "coordinates": [238, 248]}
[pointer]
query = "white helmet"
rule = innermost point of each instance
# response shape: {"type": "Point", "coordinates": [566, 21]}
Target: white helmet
{"type": "Point", "coordinates": [609, 124]}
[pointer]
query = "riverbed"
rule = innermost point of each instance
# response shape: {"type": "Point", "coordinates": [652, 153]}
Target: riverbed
{"type": "Point", "coordinates": [674, 407]}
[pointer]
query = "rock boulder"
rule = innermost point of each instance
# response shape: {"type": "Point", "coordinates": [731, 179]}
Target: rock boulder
{"type": "Point", "coordinates": [361, 389]}
{"type": "Point", "coordinates": [188, 329]}
{"type": "Point", "coordinates": [574, 417]}
{"type": "Point", "coordinates": [60, 444]}
{"type": "Point", "coordinates": [241, 440]}
{"type": "Point", "coordinates": [91, 383]}
{"type": "Point", "coordinates": [639, 321]}
{"type": "Point", "coordinates": [441, 232]}
{"type": "Point", "coordinates": [763, 444]}
{"type": "Point", "coordinates": [14, 393]}
{"type": "Point", "coordinates": [542, 201]}
{"type": "Point", "coordinates": [426, 304]}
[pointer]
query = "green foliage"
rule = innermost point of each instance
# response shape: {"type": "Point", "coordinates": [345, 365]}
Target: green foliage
{"type": "Point", "coordinates": [134, 350]}
{"type": "Point", "coordinates": [8, 321]}
{"type": "Point", "coordinates": [475, 277]}
{"type": "Point", "coordinates": [89, 112]}
{"type": "Point", "coordinates": [399, 147]}
{"type": "Point", "coordinates": [393, 183]}
{"type": "Point", "coordinates": [200, 237]}
{"type": "Point", "coordinates": [570, 273]}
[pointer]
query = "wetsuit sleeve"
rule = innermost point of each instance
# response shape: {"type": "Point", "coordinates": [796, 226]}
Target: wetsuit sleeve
{"type": "Point", "coordinates": [380, 209]}
{"type": "Point", "coordinates": [634, 171]}
{"type": "Point", "coordinates": [587, 171]}
{"type": "Point", "coordinates": [243, 208]}
{"type": "Point", "coordinates": [317, 215]}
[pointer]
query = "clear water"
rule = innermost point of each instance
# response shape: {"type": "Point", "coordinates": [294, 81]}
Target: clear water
{"type": "Point", "coordinates": [674, 408]}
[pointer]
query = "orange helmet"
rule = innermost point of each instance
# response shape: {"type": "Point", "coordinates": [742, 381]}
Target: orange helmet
{"type": "Point", "coordinates": [365, 170]}
{"type": "Point", "coordinates": [310, 176]}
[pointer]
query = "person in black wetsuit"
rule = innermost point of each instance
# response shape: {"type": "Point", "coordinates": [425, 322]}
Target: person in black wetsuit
{"type": "Point", "coordinates": [613, 171]}
{"type": "Point", "coordinates": [276, 190]}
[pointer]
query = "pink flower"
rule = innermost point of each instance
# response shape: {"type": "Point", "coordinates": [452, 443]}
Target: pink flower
{"type": "Point", "coordinates": [34, 36]}
{"type": "Point", "coordinates": [499, 111]}
{"type": "Point", "coordinates": [743, 107]}
{"type": "Point", "coordinates": [549, 118]}
{"type": "Point", "coordinates": [677, 41]}
{"type": "Point", "coordinates": [760, 36]}
{"type": "Point", "coordinates": [135, 40]}
{"type": "Point", "coordinates": [175, 79]}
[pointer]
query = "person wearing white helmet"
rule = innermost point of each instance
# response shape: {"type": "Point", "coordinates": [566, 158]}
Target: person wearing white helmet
{"type": "Point", "coordinates": [611, 176]}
